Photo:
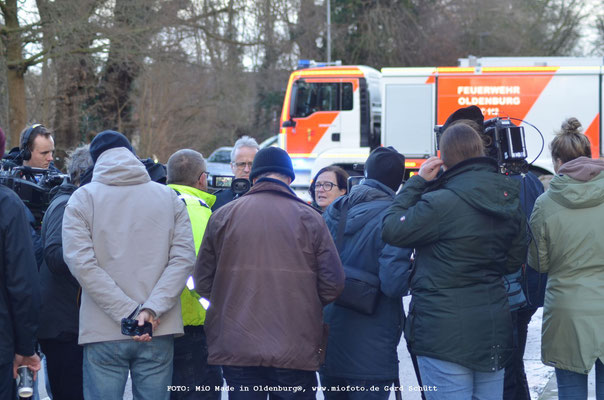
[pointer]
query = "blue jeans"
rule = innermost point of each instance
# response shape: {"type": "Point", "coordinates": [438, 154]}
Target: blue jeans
{"type": "Point", "coordinates": [573, 386]}
{"type": "Point", "coordinates": [449, 381]}
{"type": "Point", "coordinates": [354, 389]}
{"type": "Point", "coordinates": [106, 366]}
{"type": "Point", "coordinates": [191, 366]}
{"type": "Point", "coordinates": [256, 383]}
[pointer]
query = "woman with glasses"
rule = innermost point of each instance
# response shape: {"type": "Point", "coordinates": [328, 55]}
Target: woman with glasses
{"type": "Point", "coordinates": [329, 184]}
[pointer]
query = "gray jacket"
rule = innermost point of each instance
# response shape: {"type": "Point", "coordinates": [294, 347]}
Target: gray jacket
{"type": "Point", "coordinates": [128, 241]}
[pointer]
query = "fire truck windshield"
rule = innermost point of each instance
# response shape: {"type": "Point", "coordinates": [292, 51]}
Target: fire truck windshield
{"type": "Point", "coordinates": [322, 96]}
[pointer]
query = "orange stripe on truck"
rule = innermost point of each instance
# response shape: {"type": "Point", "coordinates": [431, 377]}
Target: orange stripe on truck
{"type": "Point", "coordinates": [593, 133]}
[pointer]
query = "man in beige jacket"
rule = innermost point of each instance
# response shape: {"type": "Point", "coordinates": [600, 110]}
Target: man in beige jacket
{"type": "Point", "coordinates": [128, 242]}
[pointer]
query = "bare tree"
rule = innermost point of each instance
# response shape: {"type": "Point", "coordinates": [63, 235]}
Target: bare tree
{"type": "Point", "coordinates": [199, 73]}
{"type": "Point", "coordinates": [599, 42]}
{"type": "Point", "coordinates": [437, 32]}
{"type": "Point", "coordinates": [16, 66]}
{"type": "Point", "coordinates": [68, 39]}
{"type": "Point", "coordinates": [309, 30]}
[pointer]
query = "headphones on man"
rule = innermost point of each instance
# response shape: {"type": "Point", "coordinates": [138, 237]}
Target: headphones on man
{"type": "Point", "coordinates": [25, 151]}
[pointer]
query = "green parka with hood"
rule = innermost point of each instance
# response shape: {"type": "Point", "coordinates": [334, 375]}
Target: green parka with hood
{"type": "Point", "coordinates": [468, 231]}
{"type": "Point", "coordinates": [568, 226]}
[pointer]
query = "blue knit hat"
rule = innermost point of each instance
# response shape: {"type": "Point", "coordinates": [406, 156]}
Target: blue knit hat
{"type": "Point", "coordinates": [108, 140]}
{"type": "Point", "coordinates": [272, 159]}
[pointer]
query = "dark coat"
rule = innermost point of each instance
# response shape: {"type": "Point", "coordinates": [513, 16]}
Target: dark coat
{"type": "Point", "coordinates": [364, 346]}
{"type": "Point", "coordinates": [36, 238]}
{"type": "Point", "coordinates": [223, 197]}
{"type": "Point", "coordinates": [19, 296]}
{"type": "Point", "coordinates": [468, 230]}
{"type": "Point", "coordinates": [268, 265]}
{"type": "Point", "coordinates": [533, 282]}
{"type": "Point", "coordinates": [59, 290]}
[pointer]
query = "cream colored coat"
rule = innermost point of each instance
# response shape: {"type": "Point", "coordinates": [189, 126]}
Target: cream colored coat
{"type": "Point", "coordinates": [128, 241]}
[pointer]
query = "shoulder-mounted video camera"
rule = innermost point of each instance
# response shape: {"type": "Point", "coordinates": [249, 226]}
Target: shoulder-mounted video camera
{"type": "Point", "coordinates": [32, 185]}
{"type": "Point", "coordinates": [504, 141]}
{"type": "Point", "coordinates": [508, 144]}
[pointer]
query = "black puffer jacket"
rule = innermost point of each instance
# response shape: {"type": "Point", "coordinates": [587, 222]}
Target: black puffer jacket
{"type": "Point", "coordinates": [19, 297]}
{"type": "Point", "coordinates": [59, 312]}
{"type": "Point", "coordinates": [468, 231]}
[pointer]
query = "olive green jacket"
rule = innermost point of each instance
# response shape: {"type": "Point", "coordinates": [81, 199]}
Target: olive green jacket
{"type": "Point", "coordinates": [468, 231]}
{"type": "Point", "coordinates": [568, 229]}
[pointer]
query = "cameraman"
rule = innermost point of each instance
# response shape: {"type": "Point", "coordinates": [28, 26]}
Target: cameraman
{"type": "Point", "coordinates": [468, 231]}
{"type": "Point", "coordinates": [36, 148]}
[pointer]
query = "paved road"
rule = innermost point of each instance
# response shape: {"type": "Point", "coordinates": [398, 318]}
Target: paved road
{"type": "Point", "coordinates": [541, 379]}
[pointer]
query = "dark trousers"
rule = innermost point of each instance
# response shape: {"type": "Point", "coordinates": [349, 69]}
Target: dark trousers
{"type": "Point", "coordinates": [64, 365]}
{"type": "Point", "coordinates": [355, 389]}
{"type": "Point", "coordinates": [7, 383]}
{"type": "Point", "coordinates": [256, 383]}
{"type": "Point", "coordinates": [515, 386]}
{"type": "Point", "coordinates": [191, 366]}
{"type": "Point", "coordinates": [416, 369]}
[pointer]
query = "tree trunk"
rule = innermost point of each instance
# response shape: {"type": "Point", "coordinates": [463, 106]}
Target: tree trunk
{"type": "Point", "coordinates": [17, 111]}
{"type": "Point", "coordinates": [129, 42]}
{"type": "Point", "coordinates": [72, 65]}
{"type": "Point", "coordinates": [311, 21]}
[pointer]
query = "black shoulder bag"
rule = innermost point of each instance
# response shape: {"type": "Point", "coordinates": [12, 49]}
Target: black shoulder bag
{"type": "Point", "coordinates": [361, 289]}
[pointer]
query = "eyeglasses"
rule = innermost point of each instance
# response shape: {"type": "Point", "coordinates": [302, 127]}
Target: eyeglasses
{"type": "Point", "coordinates": [204, 172]}
{"type": "Point", "coordinates": [242, 165]}
{"type": "Point", "coordinates": [327, 186]}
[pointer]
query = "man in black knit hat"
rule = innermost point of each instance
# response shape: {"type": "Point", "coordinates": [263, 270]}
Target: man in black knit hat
{"type": "Point", "coordinates": [269, 266]}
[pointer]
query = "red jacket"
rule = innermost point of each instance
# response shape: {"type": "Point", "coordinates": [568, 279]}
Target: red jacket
{"type": "Point", "coordinates": [268, 265]}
